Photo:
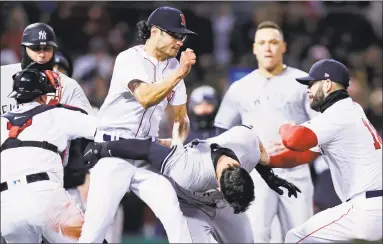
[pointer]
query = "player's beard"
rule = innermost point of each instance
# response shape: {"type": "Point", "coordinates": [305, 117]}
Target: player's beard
{"type": "Point", "coordinates": [318, 99]}
{"type": "Point", "coordinates": [166, 52]}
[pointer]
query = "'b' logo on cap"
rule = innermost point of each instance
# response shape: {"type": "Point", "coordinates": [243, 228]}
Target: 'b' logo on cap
{"type": "Point", "coordinates": [183, 22]}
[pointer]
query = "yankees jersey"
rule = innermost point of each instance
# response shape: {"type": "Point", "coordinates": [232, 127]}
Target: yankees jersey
{"type": "Point", "coordinates": [121, 112]}
{"type": "Point", "coordinates": [72, 93]}
{"type": "Point", "coordinates": [55, 126]}
{"type": "Point", "coordinates": [266, 103]}
{"type": "Point", "coordinates": [191, 166]}
{"type": "Point", "coordinates": [350, 146]}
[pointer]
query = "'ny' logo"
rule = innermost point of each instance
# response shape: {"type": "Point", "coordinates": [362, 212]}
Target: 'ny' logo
{"type": "Point", "coordinates": [42, 35]}
{"type": "Point", "coordinates": [183, 22]}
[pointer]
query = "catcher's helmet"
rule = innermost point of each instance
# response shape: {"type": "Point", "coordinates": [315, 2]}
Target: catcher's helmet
{"type": "Point", "coordinates": [38, 34]}
{"type": "Point", "coordinates": [29, 84]}
{"type": "Point", "coordinates": [62, 60]}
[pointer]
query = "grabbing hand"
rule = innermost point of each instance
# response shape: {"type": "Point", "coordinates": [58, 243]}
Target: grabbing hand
{"type": "Point", "coordinates": [275, 182]}
{"type": "Point", "coordinates": [187, 60]}
{"type": "Point", "coordinates": [167, 142]}
{"type": "Point", "coordinates": [275, 147]}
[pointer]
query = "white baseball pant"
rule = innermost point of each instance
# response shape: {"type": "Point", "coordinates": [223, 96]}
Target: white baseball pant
{"type": "Point", "coordinates": [220, 223]}
{"type": "Point", "coordinates": [291, 212]}
{"type": "Point", "coordinates": [360, 218]}
{"type": "Point", "coordinates": [27, 214]}
{"type": "Point", "coordinates": [110, 179]}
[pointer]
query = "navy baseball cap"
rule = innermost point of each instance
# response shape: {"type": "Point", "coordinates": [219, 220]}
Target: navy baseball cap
{"type": "Point", "coordinates": [327, 69]}
{"type": "Point", "coordinates": [170, 19]}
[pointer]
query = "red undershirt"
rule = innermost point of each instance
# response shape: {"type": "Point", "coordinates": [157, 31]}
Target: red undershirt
{"type": "Point", "coordinates": [298, 140]}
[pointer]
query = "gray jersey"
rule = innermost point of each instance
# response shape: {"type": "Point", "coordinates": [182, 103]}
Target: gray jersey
{"type": "Point", "coordinates": [191, 166]}
{"type": "Point", "coordinates": [266, 104]}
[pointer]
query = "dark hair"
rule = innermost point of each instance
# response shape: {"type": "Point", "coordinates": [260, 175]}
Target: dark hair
{"type": "Point", "coordinates": [237, 188]}
{"type": "Point", "coordinates": [269, 25]}
{"type": "Point", "coordinates": [143, 30]}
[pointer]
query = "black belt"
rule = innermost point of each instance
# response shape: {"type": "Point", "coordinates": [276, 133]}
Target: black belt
{"type": "Point", "coordinates": [30, 179]}
{"type": "Point", "coordinates": [107, 137]}
{"type": "Point", "coordinates": [372, 194]}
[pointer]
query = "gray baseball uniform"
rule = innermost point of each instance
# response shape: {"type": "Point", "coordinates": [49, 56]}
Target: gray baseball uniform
{"type": "Point", "coordinates": [191, 169]}
{"type": "Point", "coordinates": [267, 103]}
{"type": "Point", "coordinates": [196, 184]}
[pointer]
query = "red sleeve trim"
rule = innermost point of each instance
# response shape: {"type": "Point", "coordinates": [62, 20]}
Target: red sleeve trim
{"type": "Point", "coordinates": [289, 159]}
{"type": "Point", "coordinates": [298, 138]}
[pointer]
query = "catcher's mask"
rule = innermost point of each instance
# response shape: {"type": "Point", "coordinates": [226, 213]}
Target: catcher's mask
{"type": "Point", "coordinates": [29, 84]}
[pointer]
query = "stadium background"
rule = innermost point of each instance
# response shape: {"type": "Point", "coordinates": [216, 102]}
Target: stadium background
{"type": "Point", "coordinates": [93, 33]}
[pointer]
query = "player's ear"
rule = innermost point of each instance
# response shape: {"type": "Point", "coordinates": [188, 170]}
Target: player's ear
{"type": "Point", "coordinates": [284, 47]}
{"type": "Point", "coordinates": [154, 30]}
{"type": "Point", "coordinates": [327, 85]}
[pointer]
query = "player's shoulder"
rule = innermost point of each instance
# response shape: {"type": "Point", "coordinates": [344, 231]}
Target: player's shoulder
{"type": "Point", "coordinates": [294, 72]}
{"type": "Point", "coordinates": [244, 82]}
{"type": "Point", "coordinates": [66, 80]}
{"type": "Point", "coordinates": [65, 108]}
{"type": "Point", "coordinates": [10, 68]}
{"type": "Point", "coordinates": [131, 53]}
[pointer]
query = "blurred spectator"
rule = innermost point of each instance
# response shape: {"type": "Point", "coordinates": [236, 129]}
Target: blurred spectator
{"type": "Point", "coordinates": [97, 62]}
{"type": "Point", "coordinates": [14, 27]}
{"type": "Point", "coordinates": [223, 23]}
{"type": "Point", "coordinates": [8, 56]}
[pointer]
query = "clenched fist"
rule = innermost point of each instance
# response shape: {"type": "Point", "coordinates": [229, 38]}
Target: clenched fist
{"type": "Point", "coordinates": [187, 60]}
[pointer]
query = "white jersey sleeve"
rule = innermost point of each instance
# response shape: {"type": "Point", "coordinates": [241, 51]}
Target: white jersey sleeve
{"type": "Point", "coordinates": [73, 95]}
{"type": "Point", "coordinates": [228, 114]}
{"type": "Point", "coordinates": [76, 124]}
{"type": "Point", "coordinates": [179, 97]}
{"type": "Point", "coordinates": [324, 127]}
{"type": "Point", "coordinates": [128, 67]}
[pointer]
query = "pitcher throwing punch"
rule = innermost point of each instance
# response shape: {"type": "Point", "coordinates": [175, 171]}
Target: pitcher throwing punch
{"type": "Point", "coordinates": [146, 79]}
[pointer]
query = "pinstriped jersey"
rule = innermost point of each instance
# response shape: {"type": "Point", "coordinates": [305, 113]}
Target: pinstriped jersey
{"type": "Point", "coordinates": [121, 111]}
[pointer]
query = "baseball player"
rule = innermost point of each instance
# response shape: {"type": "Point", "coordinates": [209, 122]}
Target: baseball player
{"type": "Point", "coordinates": [351, 148]}
{"type": "Point", "coordinates": [146, 79]}
{"type": "Point", "coordinates": [76, 179]}
{"type": "Point", "coordinates": [205, 173]}
{"type": "Point", "coordinates": [38, 47]}
{"type": "Point", "coordinates": [267, 97]}
{"type": "Point", "coordinates": [33, 139]}
{"type": "Point", "coordinates": [203, 106]}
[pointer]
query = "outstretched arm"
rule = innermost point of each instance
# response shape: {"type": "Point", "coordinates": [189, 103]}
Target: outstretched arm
{"type": "Point", "coordinates": [135, 149]}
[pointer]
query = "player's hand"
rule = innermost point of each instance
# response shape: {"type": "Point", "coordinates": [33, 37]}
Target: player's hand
{"type": "Point", "coordinates": [265, 159]}
{"type": "Point", "coordinates": [290, 122]}
{"type": "Point", "coordinates": [167, 142]}
{"type": "Point", "coordinates": [275, 182]}
{"type": "Point", "coordinates": [275, 147]}
{"type": "Point", "coordinates": [187, 60]}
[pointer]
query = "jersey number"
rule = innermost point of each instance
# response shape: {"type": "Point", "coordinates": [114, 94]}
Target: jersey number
{"type": "Point", "coordinates": [375, 136]}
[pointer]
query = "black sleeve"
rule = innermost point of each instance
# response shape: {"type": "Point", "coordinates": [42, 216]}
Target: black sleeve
{"type": "Point", "coordinates": [136, 149]}
{"type": "Point", "coordinates": [265, 171]}
{"type": "Point", "coordinates": [76, 169]}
